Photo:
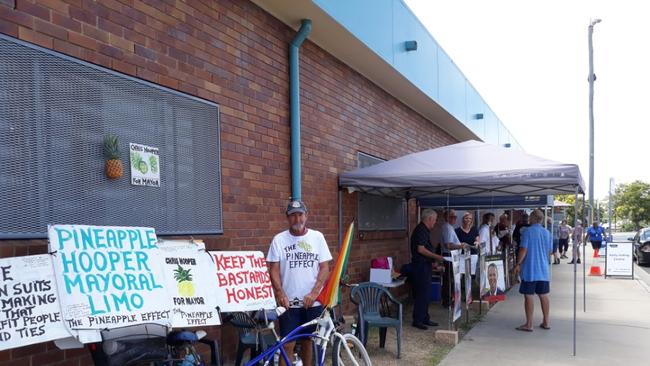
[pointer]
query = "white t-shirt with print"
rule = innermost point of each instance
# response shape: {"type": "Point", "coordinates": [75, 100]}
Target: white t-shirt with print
{"type": "Point", "coordinates": [299, 258]}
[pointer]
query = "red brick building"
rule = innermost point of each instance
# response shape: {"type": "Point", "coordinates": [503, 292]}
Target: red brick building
{"type": "Point", "coordinates": [234, 54]}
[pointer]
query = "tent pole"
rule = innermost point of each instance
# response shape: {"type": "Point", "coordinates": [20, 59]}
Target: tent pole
{"type": "Point", "coordinates": [575, 272]}
{"type": "Point", "coordinates": [584, 262]}
{"type": "Point", "coordinates": [340, 209]}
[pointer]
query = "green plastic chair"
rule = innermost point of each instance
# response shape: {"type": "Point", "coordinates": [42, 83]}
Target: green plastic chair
{"type": "Point", "coordinates": [373, 309]}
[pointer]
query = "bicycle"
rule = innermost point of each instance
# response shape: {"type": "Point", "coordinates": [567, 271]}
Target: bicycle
{"type": "Point", "coordinates": [347, 349]}
{"type": "Point", "coordinates": [151, 345]}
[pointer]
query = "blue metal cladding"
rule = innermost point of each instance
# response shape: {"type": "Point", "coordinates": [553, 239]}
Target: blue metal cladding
{"type": "Point", "coordinates": [384, 26]}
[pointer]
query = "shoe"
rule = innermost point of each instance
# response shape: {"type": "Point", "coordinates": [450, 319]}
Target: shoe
{"type": "Point", "coordinates": [431, 324]}
{"type": "Point", "coordinates": [564, 256]}
{"type": "Point", "coordinates": [420, 326]}
{"type": "Point", "coordinates": [578, 261]}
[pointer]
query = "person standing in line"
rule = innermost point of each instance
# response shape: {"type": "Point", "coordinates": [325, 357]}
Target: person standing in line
{"type": "Point", "coordinates": [519, 229]}
{"type": "Point", "coordinates": [485, 234]}
{"type": "Point", "coordinates": [502, 231]}
{"type": "Point", "coordinates": [564, 234]}
{"type": "Point", "coordinates": [532, 266]}
{"type": "Point", "coordinates": [596, 234]}
{"type": "Point", "coordinates": [467, 233]}
{"type": "Point", "coordinates": [449, 242]}
{"type": "Point", "coordinates": [298, 262]}
{"type": "Point", "coordinates": [576, 236]}
{"type": "Point", "coordinates": [422, 257]}
{"type": "Point", "coordinates": [556, 242]}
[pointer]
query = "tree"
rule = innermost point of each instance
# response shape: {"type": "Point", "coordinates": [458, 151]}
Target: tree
{"type": "Point", "coordinates": [632, 201]}
{"type": "Point", "coordinates": [600, 210]}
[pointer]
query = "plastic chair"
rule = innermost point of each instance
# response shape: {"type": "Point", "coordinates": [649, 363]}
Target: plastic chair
{"type": "Point", "coordinates": [250, 337]}
{"type": "Point", "coordinates": [371, 299]}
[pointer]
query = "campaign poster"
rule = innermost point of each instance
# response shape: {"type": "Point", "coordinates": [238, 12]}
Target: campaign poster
{"type": "Point", "coordinates": [145, 165]}
{"type": "Point", "coordinates": [472, 265]}
{"type": "Point", "coordinates": [108, 276]}
{"type": "Point", "coordinates": [243, 281]}
{"type": "Point", "coordinates": [493, 279]}
{"type": "Point", "coordinates": [468, 281]}
{"type": "Point", "coordinates": [455, 260]}
{"type": "Point", "coordinates": [29, 310]}
{"type": "Point", "coordinates": [189, 279]}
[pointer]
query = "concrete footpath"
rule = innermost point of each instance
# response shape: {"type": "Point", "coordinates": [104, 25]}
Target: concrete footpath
{"type": "Point", "coordinates": [613, 331]}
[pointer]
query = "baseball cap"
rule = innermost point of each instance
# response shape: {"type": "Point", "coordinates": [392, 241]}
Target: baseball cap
{"type": "Point", "coordinates": [296, 206]}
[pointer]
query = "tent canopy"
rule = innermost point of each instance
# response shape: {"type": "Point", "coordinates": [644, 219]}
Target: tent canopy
{"type": "Point", "coordinates": [468, 168]}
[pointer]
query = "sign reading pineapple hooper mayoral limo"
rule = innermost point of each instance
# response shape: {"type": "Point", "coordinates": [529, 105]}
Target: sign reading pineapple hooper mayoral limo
{"type": "Point", "coordinates": [243, 281]}
{"type": "Point", "coordinates": [108, 277]}
{"type": "Point", "coordinates": [189, 279]}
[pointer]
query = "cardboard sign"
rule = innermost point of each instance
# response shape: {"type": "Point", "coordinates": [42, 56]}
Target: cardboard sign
{"type": "Point", "coordinates": [145, 165]}
{"type": "Point", "coordinates": [108, 277]}
{"type": "Point", "coordinates": [189, 279]}
{"type": "Point", "coordinates": [29, 304]}
{"type": "Point", "coordinates": [243, 281]}
{"type": "Point", "coordinates": [619, 259]}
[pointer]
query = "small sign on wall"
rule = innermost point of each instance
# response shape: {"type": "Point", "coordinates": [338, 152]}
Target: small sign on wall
{"type": "Point", "coordinates": [145, 165]}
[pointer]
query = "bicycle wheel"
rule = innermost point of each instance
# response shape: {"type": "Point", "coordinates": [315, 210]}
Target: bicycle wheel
{"type": "Point", "coordinates": [357, 355]}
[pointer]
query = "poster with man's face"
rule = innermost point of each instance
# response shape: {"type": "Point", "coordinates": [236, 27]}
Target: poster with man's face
{"type": "Point", "coordinates": [493, 280]}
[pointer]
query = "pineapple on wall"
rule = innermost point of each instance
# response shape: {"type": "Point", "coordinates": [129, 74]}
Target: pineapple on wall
{"type": "Point", "coordinates": [184, 279]}
{"type": "Point", "coordinates": [113, 166]}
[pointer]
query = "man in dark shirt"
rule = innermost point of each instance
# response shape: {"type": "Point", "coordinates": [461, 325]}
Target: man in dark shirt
{"type": "Point", "coordinates": [422, 256]}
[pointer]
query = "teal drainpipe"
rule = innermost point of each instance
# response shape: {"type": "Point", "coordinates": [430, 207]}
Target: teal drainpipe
{"type": "Point", "coordinates": [294, 101]}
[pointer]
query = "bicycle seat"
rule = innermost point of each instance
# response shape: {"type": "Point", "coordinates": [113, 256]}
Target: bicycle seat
{"type": "Point", "coordinates": [178, 337]}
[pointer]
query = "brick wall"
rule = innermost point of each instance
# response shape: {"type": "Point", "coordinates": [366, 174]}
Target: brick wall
{"type": "Point", "coordinates": [235, 54]}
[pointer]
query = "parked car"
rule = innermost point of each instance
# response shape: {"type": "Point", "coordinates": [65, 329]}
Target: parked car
{"type": "Point", "coordinates": [642, 246]}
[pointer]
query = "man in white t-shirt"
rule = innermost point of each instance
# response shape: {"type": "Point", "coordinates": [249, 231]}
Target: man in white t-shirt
{"type": "Point", "coordinates": [298, 263]}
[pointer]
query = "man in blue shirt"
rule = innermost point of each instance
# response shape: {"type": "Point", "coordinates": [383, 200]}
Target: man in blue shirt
{"type": "Point", "coordinates": [533, 267]}
{"type": "Point", "coordinates": [596, 234]}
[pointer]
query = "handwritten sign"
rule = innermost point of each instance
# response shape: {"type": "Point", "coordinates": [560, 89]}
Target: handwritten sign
{"type": "Point", "coordinates": [145, 165]}
{"type": "Point", "coordinates": [189, 279]}
{"type": "Point", "coordinates": [29, 310]}
{"type": "Point", "coordinates": [243, 281]}
{"type": "Point", "coordinates": [108, 277]}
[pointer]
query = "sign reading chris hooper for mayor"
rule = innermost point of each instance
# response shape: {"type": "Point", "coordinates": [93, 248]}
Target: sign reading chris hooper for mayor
{"type": "Point", "coordinates": [108, 277]}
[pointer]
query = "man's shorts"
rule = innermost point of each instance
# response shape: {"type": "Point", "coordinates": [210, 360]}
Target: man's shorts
{"type": "Point", "coordinates": [534, 287]}
{"type": "Point", "coordinates": [596, 244]}
{"type": "Point", "coordinates": [556, 245]}
{"type": "Point", "coordinates": [295, 317]}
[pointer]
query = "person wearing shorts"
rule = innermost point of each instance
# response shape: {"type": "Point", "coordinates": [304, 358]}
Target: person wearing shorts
{"type": "Point", "coordinates": [298, 262]}
{"type": "Point", "coordinates": [532, 265]}
{"type": "Point", "coordinates": [596, 234]}
{"type": "Point", "coordinates": [565, 233]}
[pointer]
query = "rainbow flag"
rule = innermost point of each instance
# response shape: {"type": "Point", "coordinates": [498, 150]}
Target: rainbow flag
{"type": "Point", "coordinates": [330, 295]}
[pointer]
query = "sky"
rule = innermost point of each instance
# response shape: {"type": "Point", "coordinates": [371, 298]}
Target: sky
{"type": "Point", "coordinates": [529, 60]}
